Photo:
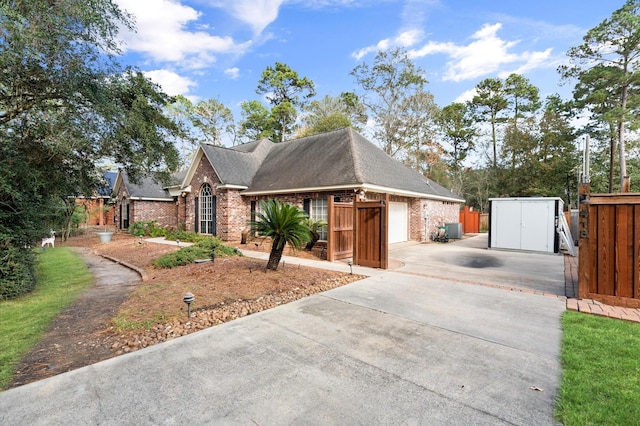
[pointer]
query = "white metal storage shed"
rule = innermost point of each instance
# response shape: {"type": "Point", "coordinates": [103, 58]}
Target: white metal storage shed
{"type": "Point", "coordinates": [531, 224]}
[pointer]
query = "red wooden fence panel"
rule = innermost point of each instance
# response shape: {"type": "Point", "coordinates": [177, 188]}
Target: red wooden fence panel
{"type": "Point", "coordinates": [470, 221]}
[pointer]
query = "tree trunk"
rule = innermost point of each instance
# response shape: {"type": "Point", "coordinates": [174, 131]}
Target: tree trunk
{"type": "Point", "coordinates": [493, 139]}
{"type": "Point", "coordinates": [611, 162]}
{"type": "Point", "coordinates": [622, 148]}
{"type": "Point", "coordinates": [275, 255]}
{"type": "Point", "coordinates": [314, 239]}
{"type": "Point", "coordinates": [622, 157]}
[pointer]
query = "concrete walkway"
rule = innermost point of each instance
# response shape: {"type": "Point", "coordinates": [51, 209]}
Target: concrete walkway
{"type": "Point", "coordinates": [400, 347]}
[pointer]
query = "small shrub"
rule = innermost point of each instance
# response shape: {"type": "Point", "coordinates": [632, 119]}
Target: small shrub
{"type": "Point", "coordinates": [157, 231]}
{"type": "Point", "coordinates": [142, 229]}
{"type": "Point", "coordinates": [138, 229]}
{"type": "Point", "coordinates": [200, 250]}
{"type": "Point", "coordinates": [17, 270]}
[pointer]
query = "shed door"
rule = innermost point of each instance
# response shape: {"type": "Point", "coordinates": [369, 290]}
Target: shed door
{"type": "Point", "coordinates": [537, 226]}
{"type": "Point", "coordinates": [398, 225]}
{"type": "Point", "coordinates": [506, 225]}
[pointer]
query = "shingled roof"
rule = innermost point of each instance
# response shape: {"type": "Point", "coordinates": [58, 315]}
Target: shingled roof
{"type": "Point", "coordinates": [148, 188]}
{"type": "Point", "coordinates": [237, 165]}
{"type": "Point", "coordinates": [339, 159]}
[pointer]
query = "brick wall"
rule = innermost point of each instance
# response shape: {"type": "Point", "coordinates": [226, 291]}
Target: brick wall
{"type": "Point", "coordinates": [233, 215]}
{"type": "Point", "coordinates": [437, 213]}
{"type": "Point", "coordinates": [96, 213]}
{"type": "Point", "coordinates": [164, 213]}
{"type": "Point", "coordinates": [204, 174]}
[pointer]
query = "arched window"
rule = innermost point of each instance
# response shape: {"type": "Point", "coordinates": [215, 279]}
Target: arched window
{"type": "Point", "coordinates": [207, 213]}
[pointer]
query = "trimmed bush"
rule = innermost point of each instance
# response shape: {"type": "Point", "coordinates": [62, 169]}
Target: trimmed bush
{"type": "Point", "coordinates": [200, 250]}
{"type": "Point", "coordinates": [186, 236]}
{"type": "Point", "coordinates": [142, 229]}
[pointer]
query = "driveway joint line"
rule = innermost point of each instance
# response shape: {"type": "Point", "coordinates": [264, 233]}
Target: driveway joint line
{"type": "Point", "coordinates": [484, 284]}
{"type": "Point", "coordinates": [439, 327]}
{"type": "Point", "coordinates": [387, 372]}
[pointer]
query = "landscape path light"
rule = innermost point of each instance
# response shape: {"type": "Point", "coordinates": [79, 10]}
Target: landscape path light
{"type": "Point", "coordinates": [188, 299]}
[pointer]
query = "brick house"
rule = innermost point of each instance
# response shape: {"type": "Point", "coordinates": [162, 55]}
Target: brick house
{"type": "Point", "coordinates": [223, 186]}
{"type": "Point", "coordinates": [98, 208]}
{"type": "Point", "coordinates": [221, 191]}
{"type": "Point", "coordinates": [146, 201]}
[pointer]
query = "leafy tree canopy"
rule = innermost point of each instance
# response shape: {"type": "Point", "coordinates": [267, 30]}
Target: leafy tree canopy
{"type": "Point", "coordinates": [402, 110]}
{"type": "Point", "coordinates": [332, 113]}
{"type": "Point", "coordinates": [606, 63]}
{"type": "Point", "coordinates": [65, 107]}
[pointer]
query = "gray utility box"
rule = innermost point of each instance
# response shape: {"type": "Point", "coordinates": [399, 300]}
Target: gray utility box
{"type": "Point", "coordinates": [454, 230]}
{"type": "Point", "coordinates": [529, 224]}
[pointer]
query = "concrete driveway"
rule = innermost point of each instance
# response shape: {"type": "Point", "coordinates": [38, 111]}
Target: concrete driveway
{"type": "Point", "coordinates": [432, 342]}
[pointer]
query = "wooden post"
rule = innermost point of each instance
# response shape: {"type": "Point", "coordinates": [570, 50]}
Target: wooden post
{"type": "Point", "coordinates": [583, 241]}
{"type": "Point", "coordinates": [330, 226]}
{"type": "Point", "coordinates": [384, 234]}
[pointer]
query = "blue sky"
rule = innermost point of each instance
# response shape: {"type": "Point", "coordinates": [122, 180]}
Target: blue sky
{"type": "Point", "coordinates": [218, 48]}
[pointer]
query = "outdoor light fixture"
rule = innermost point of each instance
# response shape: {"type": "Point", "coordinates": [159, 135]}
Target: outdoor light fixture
{"type": "Point", "coordinates": [350, 263]}
{"type": "Point", "coordinates": [188, 299]}
{"type": "Point", "coordinates": [213, 255]}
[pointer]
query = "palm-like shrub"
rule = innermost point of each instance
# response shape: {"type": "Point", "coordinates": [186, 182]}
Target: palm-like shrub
{"type": "Point", "coordinates": [315, 226]}
{"type": "Point", "coordinates": [283, 223]}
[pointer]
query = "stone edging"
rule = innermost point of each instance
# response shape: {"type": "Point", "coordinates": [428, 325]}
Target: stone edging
{"type": "Point", "coordinates": [594, 307]}
{"type": "Point", "coordinates": [143, 275]}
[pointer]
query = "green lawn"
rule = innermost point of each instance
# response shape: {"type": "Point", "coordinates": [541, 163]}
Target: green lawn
{"type": "Point", "coordinates": [600, 371]}
{"type": "Point", "coordinates": [62, 275]}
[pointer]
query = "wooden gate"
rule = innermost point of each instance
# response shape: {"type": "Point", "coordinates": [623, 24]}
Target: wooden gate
{"type": "Point", "coordinates": [470, 221]}
{"type": "Point", "coordinates": [371, 233]}
{"type": "Point", "coordinates": [339, 230]}
{"type": "Point", "coordinates": [609, 244]}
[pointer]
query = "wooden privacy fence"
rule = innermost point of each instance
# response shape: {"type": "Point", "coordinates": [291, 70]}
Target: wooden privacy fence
{"type": "Point", "coordinates": [358, 230]}
{"type": "Point", "coordinates": [370, 236]}
{"type": "Point", "coordinates": [609, 248]}
{"type": "Point", "coordinates": [340, 230]}
{"type": "Point", "coordinates": [470, 221]}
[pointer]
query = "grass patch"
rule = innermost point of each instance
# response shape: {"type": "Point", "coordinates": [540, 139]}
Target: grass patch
{"type": "Point", "coordinates": [62, 275]}
{"type": "Point", "coordinates": [200, 250]}
{"type": "Point", "coordinates": [601, 371]}
{"type": "Point", "coordinates": [122, 323]}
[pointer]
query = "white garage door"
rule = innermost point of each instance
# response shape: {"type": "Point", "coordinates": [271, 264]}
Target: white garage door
{"type": "Point", "coordinates": [398, 222]}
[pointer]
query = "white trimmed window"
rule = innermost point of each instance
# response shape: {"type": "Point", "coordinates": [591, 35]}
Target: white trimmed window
{"type": "Point", "coordinates": [206, 210]}
{"type": "Point", "coordinates": [318, 211]}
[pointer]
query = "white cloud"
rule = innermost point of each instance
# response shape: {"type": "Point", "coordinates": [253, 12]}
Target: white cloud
{"type": "Point", "coordinates": [258, 14]}
{"type": "Point", "coordinates": [404, 39]}
{"type": "Point", "coordinates": [486, 54]}
{"type": "Point", "coordinates": [163, 34]}
{"type": "Point", "coordinates": [234, 72]}
{"type": "Point", "coordinates": [466, 96]}
{"type": "Point", "coordinates": [172, 84]}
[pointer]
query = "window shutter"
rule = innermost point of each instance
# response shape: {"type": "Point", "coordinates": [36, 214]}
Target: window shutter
{"type": "Point", "coordinates": [197, 218]}
{"type": "Point", "coordinates": [253, 217]}
{"type": "Point", "coordinates": [213, 215]}
{"type": "Point", "coordinates": [307, 206]}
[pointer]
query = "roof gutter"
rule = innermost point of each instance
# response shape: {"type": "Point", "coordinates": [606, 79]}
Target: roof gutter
{"type": "Point", "coordinates": [134, 198]}
{"type": "Point", "coordinates": [402, 192]}
{"type": "Point", "coordinates": [366, 187]}
{"type": "Point", "coordinates": [230, 186]}
{"type": "Point", "coordinates": [294, 190]}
